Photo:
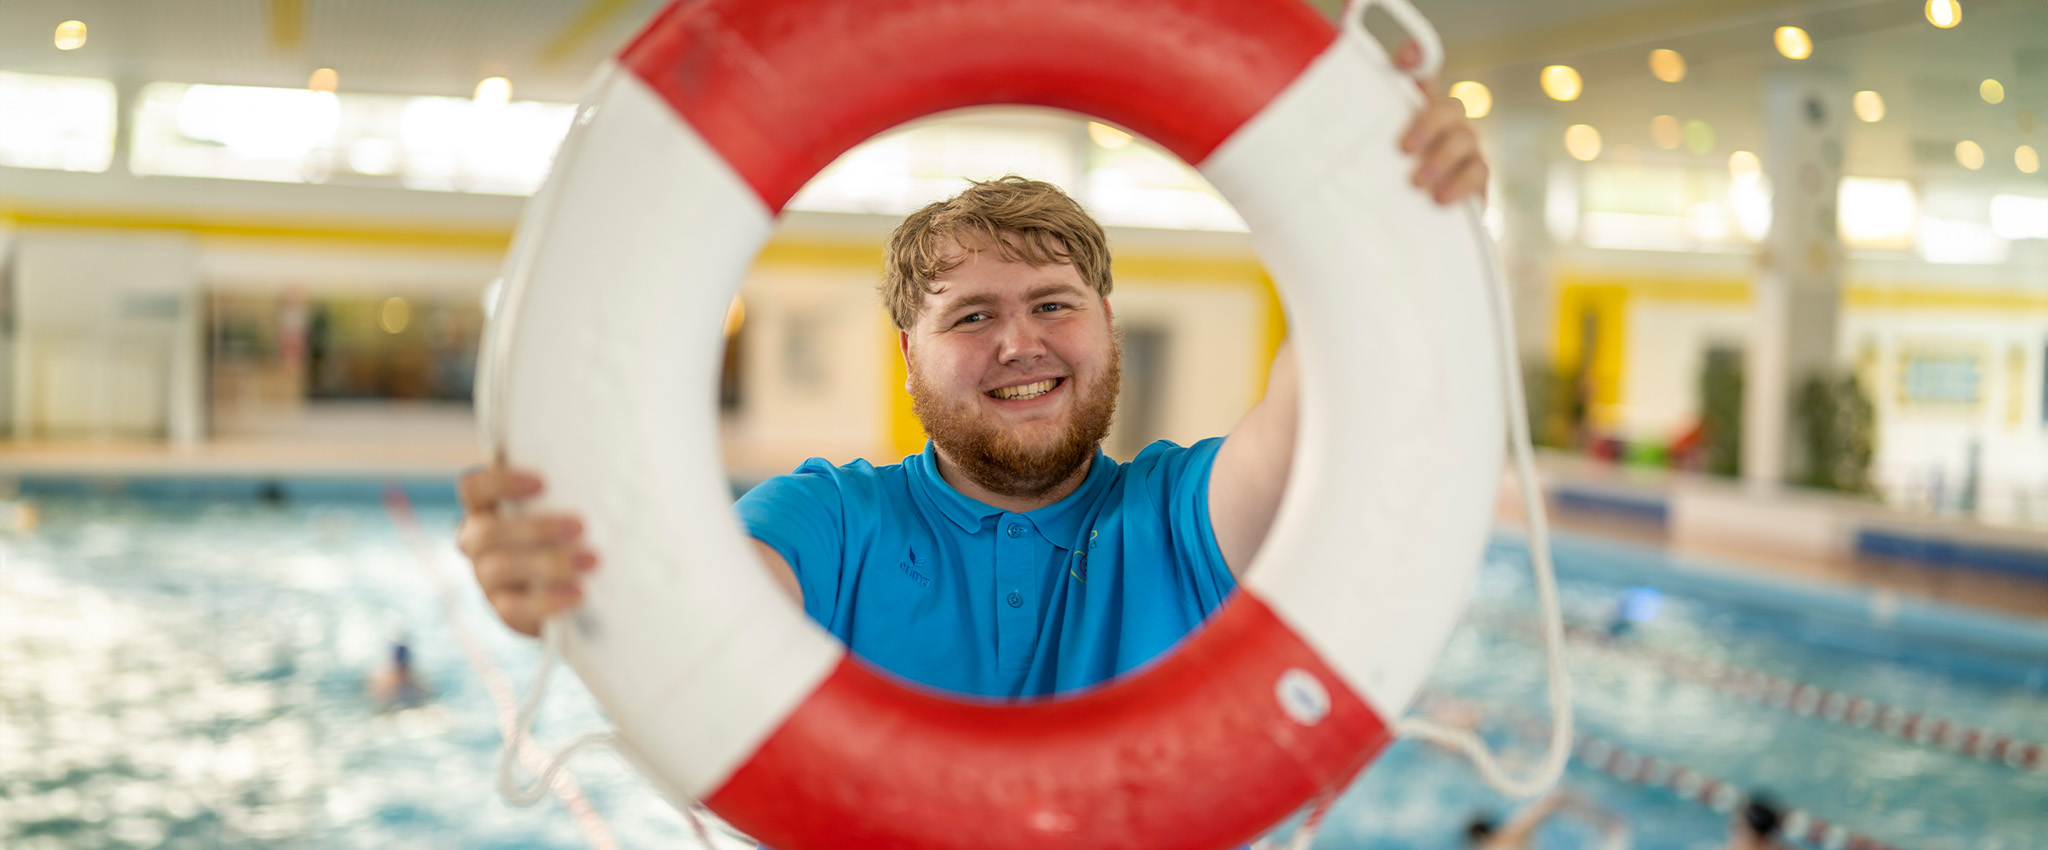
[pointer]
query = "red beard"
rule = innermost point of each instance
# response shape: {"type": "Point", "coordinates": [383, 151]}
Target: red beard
{"type": "Point", "coordinates": [995, 459]}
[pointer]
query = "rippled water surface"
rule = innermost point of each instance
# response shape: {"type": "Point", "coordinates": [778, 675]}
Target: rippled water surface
{"type": "Point", "coordinates": [192, 674]}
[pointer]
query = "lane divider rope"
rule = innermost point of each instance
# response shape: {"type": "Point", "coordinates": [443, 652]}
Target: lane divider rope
{"type": "Point", "coordinates": [1815, 702]}
{"type": "Point", "coordinates": [495, 682]}
{"type": "Point", "coordinates": [1689, 784]}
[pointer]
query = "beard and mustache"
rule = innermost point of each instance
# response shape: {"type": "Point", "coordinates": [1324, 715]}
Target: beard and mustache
{"type": "Point", "coordinates": [995, 458]}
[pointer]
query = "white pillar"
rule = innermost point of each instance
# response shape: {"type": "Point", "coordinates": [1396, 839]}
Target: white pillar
{"type": "Point", "coordinates": [1524, 145]}
{"type": "Point", "coordinates": [1797, 290]}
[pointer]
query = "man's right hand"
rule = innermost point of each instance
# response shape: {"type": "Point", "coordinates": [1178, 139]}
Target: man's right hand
{"type": "Point", "coordinates": [530, 566]}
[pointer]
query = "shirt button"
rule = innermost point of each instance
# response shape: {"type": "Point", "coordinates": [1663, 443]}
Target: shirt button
{"type": "Point", "coordinates": [1016, 599]}
{"type": "Point", "coordinates": [1016, 529]}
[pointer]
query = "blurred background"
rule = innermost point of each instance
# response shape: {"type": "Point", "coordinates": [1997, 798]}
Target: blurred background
{"type": "Point", "coordinates": [1781, 272]}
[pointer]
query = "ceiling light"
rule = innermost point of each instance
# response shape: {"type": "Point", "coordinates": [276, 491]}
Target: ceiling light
{"type": "Point", "coordinates": [1667, 132]}
{"type": "Point", "coordinates": [1992, 91]}
{"type": "Point", "coordinates": [1477, 99]}
{"type": "Point", "coordinates": [1869, 106]}
{"type": "Point", "coordinates": [1744, 165]}
{"type": "Point", "coordinates": [1944, 13]}
{"type": "Point", "coordinates": [1667, 65]}
{"type": "Point", "coordinates": [494, 90]}
{"type": "Point", "coordinates": [2026, 160]}
{"type": "Point", "coordinates": [1562, 82]}
{"type": "Point", "coordinates": [70, 35]}
{"type": "Point", "coordinates": [323, 79]}
{"type": "Point", "coordinates": [1970, 154]}
{"type": "Point", "coordinates": [1107, 136]}
{"type": "Point", "coordinates": [1582, 142]}
{"type": "Point", "coordinates": [1793, 42]}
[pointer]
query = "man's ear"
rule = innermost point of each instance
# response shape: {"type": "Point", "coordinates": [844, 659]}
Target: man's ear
{"type": "Point", "coordinates": [903, 346]}
{"type": "Point", "coordinates": [1108, 312]}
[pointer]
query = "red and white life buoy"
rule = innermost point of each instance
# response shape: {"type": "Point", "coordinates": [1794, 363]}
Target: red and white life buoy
{"type": "Point", "coordinates": [602, 356]}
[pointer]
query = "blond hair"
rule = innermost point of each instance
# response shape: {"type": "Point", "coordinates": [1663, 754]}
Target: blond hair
{"type": "Point", "coordinates": [1024, 220]}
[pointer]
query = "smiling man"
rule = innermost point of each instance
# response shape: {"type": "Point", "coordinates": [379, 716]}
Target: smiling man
{"type": "Point", "coordinates": [1010, 558]}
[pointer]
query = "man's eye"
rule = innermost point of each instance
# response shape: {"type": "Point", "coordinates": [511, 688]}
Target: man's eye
{"type": "Point", "coordinates": [1051, 308]}
{"type": "Point", "coordinates": [972, 318]}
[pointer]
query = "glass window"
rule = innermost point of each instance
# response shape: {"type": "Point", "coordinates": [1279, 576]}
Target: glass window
{"type": "Point", "coordinates": [305, 136]}
{"type": "Point", "coordinates": [1877, 212]}
{"type": "Point", "coordinates": [64, 123]}
{"type": "Point", "coordinates": [1140, 185]}
{"type": "Point", "coordinates": [1933, 378]}
{"type": "Point", "coordinates": [899, 171]}
{"type": "Point", "coordinates": [1120, 179]}
{"type": "Point", "coordinates": [1656, 207]}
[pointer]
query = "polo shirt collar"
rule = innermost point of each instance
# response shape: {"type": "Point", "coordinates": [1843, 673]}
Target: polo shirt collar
{"type": "Point", "coordinates": [1058, 521]}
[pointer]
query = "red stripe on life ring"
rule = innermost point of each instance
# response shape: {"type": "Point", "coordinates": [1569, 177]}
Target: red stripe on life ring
{"type": "Point", "coordinates": [865, 762]}
{"type": "Point", "coordinates": [781, 87]}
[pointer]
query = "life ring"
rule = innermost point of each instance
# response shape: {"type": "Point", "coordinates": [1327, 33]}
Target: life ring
{"type": "Point", "coordinates": [599, 370]}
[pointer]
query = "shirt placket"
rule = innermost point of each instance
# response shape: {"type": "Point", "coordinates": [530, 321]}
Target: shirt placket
{"type": "Point", "coordinates": [1016, 609]}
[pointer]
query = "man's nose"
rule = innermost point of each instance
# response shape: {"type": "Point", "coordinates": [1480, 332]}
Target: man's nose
{"type": "Point", "coordinates": [1020, 342]}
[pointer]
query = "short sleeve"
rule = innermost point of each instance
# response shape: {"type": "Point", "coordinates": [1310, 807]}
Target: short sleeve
{"type": "Point", "coordinates": [1179, 479]}
{"type": "Point", "coordinates": [802, 515]}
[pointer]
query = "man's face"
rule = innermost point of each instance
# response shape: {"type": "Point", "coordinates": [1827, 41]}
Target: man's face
{"type": "Point", "coordinates": [1014, 371]}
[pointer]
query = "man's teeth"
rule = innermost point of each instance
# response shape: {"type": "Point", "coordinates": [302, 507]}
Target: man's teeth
{"type": "Point", "coordinates": [1026, 391]}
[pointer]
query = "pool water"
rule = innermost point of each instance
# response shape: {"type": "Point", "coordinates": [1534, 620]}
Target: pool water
{"type": "Point", "coordinates": [191, 673]}
{"type": "Point", "coordinates": [1971, 668]}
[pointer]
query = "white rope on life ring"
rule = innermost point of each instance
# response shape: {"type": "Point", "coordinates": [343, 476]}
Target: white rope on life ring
{"type": "Point", "coordinates": [599, 370]}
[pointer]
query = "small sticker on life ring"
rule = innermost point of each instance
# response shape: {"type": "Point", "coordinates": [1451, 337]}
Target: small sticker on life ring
{"type": "Point", "coordinates": [1302, 696]}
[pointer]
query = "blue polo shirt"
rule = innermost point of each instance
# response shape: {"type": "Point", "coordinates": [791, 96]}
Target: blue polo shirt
{"type": "Point", "coordinates": [950, 593]}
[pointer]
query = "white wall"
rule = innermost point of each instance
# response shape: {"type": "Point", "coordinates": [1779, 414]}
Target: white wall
{"type": "Point", "coordinates": [1923, 453]}
{"type": "Point", "coordinates": [1215, 363]}
{"type": "Point", "coordinates": [1666, 349]}
{"type": "Point", "coordinates": [816, 370]}
{"type": "Point", "coordinates": [108, 335]}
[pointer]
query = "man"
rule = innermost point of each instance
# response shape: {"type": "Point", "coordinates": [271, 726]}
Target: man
{"type": "Point", "coordinates": [1011, 558]}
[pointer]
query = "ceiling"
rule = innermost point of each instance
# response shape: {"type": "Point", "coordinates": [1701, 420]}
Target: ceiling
{"type": "Point", "coordinates": [547, 48]}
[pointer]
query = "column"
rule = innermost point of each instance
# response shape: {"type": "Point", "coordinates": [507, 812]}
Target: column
{"type": "Point", "coordinates": [1523, 144]}
{"type": "Point", "coordinates": [1798, 284]}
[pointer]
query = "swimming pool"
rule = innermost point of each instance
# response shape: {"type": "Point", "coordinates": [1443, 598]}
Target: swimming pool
{"type": "Point", "coordinates": [189, 672]}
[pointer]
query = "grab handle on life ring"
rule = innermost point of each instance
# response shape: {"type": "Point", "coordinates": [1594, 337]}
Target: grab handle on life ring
{"type": "Point", "coordinates": [1425, 36]}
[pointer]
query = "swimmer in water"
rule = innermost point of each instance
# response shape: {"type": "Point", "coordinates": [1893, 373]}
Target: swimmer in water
{"type": "Point", "coordinates": [396, 688]}
{"type": "Point", "coordinates": [1755, 825]}
{"type": "Point", "coordinates": [1483, 832]}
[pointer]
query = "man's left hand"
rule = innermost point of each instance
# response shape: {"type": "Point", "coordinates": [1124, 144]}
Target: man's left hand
{"type": "Point", "coordinates": [1448, 162]}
